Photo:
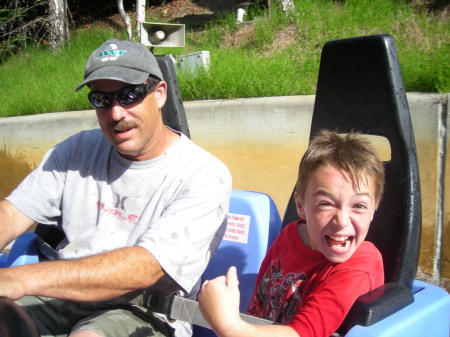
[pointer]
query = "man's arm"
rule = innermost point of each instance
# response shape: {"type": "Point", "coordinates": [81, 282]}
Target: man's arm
{"type": "Point", "coordinates": [95, 278]}
{"type": "Point", "coordinates": [12, 223]}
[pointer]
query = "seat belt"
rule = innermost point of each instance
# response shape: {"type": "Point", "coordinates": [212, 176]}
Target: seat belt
{"type": "Point", "coordinates": [180, 308]}
{"type": "Point", "coordinates": [173, 306]}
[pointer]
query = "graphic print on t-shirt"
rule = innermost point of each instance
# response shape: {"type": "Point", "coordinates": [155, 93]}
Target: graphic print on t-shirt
{"type": "Point", "coordinates": [118, 211]}
{"type": "Point", "coordinates": [278, 295]}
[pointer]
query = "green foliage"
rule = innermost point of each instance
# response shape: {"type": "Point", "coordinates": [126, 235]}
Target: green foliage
{"type": "Point", "coordinates": [252, 65]}
{"type": "Point", "coordinates": [273, 55]}
{"type": "Point", "coordinates": [232, 75]}
{"type": "Point", "coordinates": [39, 81]}
{"type": "Point", "coordinates": [21, 23]}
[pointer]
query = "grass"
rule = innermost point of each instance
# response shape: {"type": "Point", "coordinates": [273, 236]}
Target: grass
{"type": "Point", "coordinates": [38, 81]}
{"type": "Point", "coordinates": [274, 55]}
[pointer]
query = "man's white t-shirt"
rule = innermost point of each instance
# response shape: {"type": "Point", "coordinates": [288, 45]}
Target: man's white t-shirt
{"type": "Point", "coordinates": [175, 205]}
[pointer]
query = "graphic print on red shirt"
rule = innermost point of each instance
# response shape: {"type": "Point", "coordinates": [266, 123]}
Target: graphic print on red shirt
{"type": "Point", "coordinates": [278, 294]}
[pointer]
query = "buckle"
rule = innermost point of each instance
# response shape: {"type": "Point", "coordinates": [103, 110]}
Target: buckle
{"type": "Point", "coordinates": [159, 303]}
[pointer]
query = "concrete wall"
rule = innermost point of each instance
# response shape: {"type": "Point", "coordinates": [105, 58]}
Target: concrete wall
{"type": "Point", "coordinates": [261, 140]}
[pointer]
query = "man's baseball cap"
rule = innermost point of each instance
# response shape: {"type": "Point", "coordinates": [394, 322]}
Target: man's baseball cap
{"type": "Point", "coordinates": [124, 61]}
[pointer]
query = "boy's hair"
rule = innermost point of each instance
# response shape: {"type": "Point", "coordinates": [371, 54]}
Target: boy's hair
{"type": "Point", "coordinates": [351, 153]}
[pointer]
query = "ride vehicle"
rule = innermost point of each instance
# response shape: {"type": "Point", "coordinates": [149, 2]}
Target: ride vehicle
{"type": "Point", "coordinates": [360, 87]}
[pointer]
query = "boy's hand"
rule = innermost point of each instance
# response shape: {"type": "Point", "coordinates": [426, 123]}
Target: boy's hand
{"type": "Point", "coordinates": [219, 303]}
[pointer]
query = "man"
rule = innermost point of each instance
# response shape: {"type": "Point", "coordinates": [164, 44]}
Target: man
{"type": "Point", "coordinates": [141, 207]}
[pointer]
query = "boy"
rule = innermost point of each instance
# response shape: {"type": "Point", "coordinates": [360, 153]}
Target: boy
{"type": "Point", "coordinates": [318, 266]}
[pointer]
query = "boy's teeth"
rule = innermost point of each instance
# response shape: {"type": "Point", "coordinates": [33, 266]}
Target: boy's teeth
{"type": "Point", "coordinates": [342, 242]}
{"type": "Point", "coordinates": [339, 238]}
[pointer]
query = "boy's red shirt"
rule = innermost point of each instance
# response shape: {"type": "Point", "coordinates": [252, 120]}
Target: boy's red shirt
{"type": "Point", "coordinates": [300, 288]}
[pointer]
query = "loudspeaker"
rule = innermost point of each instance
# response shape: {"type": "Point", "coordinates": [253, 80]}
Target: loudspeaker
{"type": "Point", "coordinates": [162, 34]}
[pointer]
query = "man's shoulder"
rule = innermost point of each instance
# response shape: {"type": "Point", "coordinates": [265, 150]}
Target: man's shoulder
{"type": "Point", "coordinates": [84, 145]}
{"type": "Point", "coordinates": [86, 135]}
{"type": "Point", "coordinates": [85, 139]}
{"type": "Point", "coordinates": [197, 155]}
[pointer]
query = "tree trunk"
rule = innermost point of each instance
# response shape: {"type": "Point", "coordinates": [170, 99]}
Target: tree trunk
{"type": "Point", "coordinates": [125, 18]}
{"type": "Point", "coordinates": [287, 6]}
{"type": "Point", "coordinates": [59, 26]}
{"type": "Point", "coordinates": [140, 16]}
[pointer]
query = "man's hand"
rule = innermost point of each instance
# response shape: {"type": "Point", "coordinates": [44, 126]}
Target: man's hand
{"type": "Point", "coordinates": [11, 286]}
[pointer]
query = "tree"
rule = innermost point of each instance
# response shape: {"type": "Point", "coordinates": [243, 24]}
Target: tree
{"type": "Point", "coordinates": [125, 18]}
{"type": "Point", "coordinates": [58, 23]}
{"type": "Point", "coordinates": [140, 17]}
{"type": "Point", "coordinates": [21, 22]}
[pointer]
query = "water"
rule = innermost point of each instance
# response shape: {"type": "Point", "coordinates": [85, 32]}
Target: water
{"type": "Point", "coordinates": [267, 168]}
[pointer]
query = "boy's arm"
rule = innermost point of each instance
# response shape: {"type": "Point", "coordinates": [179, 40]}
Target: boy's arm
{"type": "Point", "coordinates": [219, 305]}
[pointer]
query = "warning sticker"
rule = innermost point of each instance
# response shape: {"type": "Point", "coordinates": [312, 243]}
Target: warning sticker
{"type": "Point", "coordinates": [238, 227]}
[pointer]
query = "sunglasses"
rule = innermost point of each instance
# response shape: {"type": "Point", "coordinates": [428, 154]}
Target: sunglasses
{"type": "Point", "coordinates": [127, 96]}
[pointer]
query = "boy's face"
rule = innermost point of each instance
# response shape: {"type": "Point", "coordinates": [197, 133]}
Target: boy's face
{"type": "Point", "coordinates": [337, 213]}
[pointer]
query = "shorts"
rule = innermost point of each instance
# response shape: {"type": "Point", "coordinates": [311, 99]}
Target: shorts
{"type": "Point", "coordinates": [59, 318]}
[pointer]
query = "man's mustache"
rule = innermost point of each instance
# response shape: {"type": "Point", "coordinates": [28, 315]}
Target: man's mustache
{"type": "Point", "coordinates": [123, 125]}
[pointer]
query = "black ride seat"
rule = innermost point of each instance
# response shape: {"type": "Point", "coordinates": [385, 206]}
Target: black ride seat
{"type": "Point", "coordinates": [360, 88]}
{"type": "Point", "coordinates": [173, 112]}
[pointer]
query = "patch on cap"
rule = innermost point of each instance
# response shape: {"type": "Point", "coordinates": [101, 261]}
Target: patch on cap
{"type": "Point", "coordinates": [112, 53]}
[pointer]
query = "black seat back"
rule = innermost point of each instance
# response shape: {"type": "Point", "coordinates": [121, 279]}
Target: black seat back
{"type": "Point", "coordinates": [360, 88]}
{"type": "Point", "coordinates": [173, 112]}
